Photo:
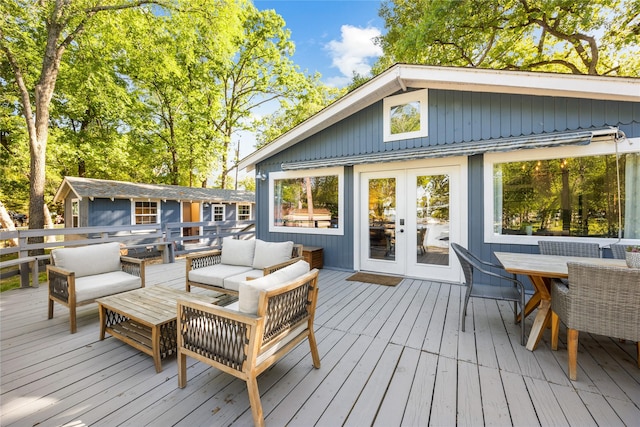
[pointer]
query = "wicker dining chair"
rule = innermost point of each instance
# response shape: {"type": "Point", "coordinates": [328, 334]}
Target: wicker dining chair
{"type": "Point", "coordinates": [599, 300]}
{"type": "Point", "coordinates": [619, 251]}
{"type": "Point", "coordinates": [475, 289]}
{"type": "Point", "coordinates": [581, 249]}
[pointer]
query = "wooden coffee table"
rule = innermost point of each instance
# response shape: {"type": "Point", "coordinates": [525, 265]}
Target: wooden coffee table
{"type": "Point", "coordinates": [145, 319]}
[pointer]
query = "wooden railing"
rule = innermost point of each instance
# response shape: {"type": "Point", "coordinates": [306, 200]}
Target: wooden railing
{"type": "Point", "coordinates": [188, 237]}
{"type": "Point", "coordinates": [169, 240]}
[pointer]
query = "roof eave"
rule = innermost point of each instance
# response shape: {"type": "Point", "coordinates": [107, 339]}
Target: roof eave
{"type": "Point", "coordinates": [403, 76]}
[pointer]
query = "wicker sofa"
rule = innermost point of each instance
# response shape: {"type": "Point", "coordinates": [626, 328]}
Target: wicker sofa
{"type": "Point", "coordinates": [598, 300]}
{"type": "Point", "coordinates": [273, 314]}
{"type": "Point", "coordinates": [223, 270]}
{"type": "Point", "coordinates": [79, 276]}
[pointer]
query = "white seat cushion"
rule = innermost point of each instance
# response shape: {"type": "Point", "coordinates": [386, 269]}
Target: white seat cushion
{"type": "Point", "coordinates": [233, 282]}
{"type": "Point", "coordinates": [214, 275]}
{"type": "Point", "coordinates": [249, 291]}
{"type": "Point", "coordinates": [89, 260]}
{"type": "Point", "coordinates": [237, 252]}
{"type": "Point", "coordinates": [92, 287]}
{"type": "Point", "coordinates": [271, 253]}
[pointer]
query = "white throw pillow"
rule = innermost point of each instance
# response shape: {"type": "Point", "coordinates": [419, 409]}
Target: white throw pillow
{"type": "Point", "coordinates": [249, 291]}
{"type": "Point", "coordinates": [271, 253]}
{"type": "Point", "coordinates": [89, 260]}
{"type": "Point", "coordinates": [237, 252]}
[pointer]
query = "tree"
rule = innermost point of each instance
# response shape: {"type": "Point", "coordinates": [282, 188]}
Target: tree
{"type": "Point", "coordinates": [597, 37]}
{"type": "Point", "coordinates": [40, 33]}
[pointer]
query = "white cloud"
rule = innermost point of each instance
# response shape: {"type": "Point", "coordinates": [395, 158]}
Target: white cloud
{"type": "Point", "coordinates": [353, 53]}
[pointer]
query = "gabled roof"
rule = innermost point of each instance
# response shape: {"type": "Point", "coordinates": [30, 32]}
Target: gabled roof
{"type": "Point", "coordinates": [106, 189]}
{"type": "Point", "coordinates": [402, 76]}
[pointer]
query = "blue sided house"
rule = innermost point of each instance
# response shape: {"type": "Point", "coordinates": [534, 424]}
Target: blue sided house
{"type": "Point", "coordinates": [385, 178]}
{"type": "Point", "coordinates": [100, 203]}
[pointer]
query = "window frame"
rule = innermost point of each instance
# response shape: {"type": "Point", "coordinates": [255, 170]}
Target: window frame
{"type": "Point", "coordinates": [213, 212]}
{"type": "Point", "coordinates": [273, 176]}
{"type": "Point", "coordinates": [605, 146]}
{"type": "Point", "coordinates": [76, 203]}
{"type": "Point", "coordinates": [242, 205]}
{"type": "Point", "coordinates": [421, 96]}
{"type": "Point", "coordinates": [134, 215]}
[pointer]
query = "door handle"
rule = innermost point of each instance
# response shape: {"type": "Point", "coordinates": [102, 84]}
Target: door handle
{"type": "Point", "coordinates": [401, 230]}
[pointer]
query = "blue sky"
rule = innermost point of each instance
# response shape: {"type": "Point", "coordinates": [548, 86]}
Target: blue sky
{"type": "Point", "coordinates": [332, 37]}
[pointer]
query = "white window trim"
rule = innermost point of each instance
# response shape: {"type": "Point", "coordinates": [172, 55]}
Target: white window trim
{"type": "Point", "coordinates": [213, 213]}
{"type": "Point", "coordinates": [238, 211]}
{"type": "Point", "coordinates": [339, 171]}
{"type": "Point", "coordinates": [421, 96]}
{"type": "Point", "coordinates": [73, 202]}
{"type": "Point", "coordinates": [629, 145]}
{"type": "Point", "coordinates": [133, 209]}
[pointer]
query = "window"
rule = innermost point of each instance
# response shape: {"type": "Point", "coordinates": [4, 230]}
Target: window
{"type": "Point", "coordinates": [75, 213]}
{"type": "Point", "coordinates": [217, 212]}
{"type": "Point", "coordinates": [405, 116]}
{"type": "Point", "coordinates": [306, 201]}
{"type": "Point", "coordinates": [244, 212]}
{"type": "Point", "coordinates": [146, 212]}
{"type": "Point", "coordinates": [566, 191]}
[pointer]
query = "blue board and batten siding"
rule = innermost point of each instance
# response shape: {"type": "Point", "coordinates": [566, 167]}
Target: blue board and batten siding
{"type": "Point", "coordinates": [107, 212]}
{"type": "Point", "coordinates": [454, 117]}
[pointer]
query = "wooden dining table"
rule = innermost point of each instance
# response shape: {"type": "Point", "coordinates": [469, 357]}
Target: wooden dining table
{"type": "Point", "coordinates": [541, 270]}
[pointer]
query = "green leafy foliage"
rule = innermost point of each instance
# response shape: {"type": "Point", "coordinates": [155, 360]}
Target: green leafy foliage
{"type": "Point", "coordinates": [597, 37]}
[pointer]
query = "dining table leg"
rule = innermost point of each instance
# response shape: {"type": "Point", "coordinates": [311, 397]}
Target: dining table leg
{"type": "Point", "coordinates": [543, 316]}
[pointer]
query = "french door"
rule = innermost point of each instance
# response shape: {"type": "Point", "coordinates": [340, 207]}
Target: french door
{"type": "Point", "coordinates": [408, 217]}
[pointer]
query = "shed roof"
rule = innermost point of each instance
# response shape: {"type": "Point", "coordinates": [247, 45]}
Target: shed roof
{"type": "Point", "coordinates": [107, 189]}
{"type": "Point", "coordinates": [403, 76]}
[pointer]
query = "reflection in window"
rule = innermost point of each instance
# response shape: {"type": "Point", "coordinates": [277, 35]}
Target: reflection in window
{"type": "Point", "coordinates": [575, 196]}
{"type": "Point", "coordinates": [432, 219]}
{"type": "Point", "coordinates": [306, 202]}
{"type": "Point", "coordinates": [405, 118]}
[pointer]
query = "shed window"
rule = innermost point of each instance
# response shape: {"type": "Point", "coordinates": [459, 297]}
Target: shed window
{"type": "Point", "coordinates": [217, 212]}
{"type": "Point", "coordinates": [244, 212]}
{"type": "Point", "coordinates": [146, 212]}
{"type": "Point", "coordinates": [308, 201]}
{"type": "Point", "coordinates": [75, 213]}
{"type": "Point", "coordinates": [405, 116]}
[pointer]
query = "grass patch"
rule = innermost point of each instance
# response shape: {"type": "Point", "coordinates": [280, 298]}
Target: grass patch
{"type": "Point", "coordinates": [13, 282]}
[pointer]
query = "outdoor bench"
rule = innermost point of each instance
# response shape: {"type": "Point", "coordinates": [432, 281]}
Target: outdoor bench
{"type": "Point", "coordinates": [223, 270]}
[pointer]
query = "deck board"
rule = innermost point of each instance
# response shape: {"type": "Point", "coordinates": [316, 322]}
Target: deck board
{"type": "Point", "coordinates": [391, 356]}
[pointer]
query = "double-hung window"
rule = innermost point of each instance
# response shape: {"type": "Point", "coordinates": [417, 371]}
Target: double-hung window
{"type": "Point", "coordinates": [243, 213]}
{"type": "Point", "coordinates": [217, 212]}
{"type": "Point", "coordinates": [146, 212]}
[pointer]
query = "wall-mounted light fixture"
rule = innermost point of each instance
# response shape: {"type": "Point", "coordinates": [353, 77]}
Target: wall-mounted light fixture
{"type": "Point", "coordinates": [261, 176]}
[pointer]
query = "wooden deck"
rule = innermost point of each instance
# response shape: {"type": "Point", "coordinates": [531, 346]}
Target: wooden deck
{"type": "Point", "coordinates": [391, 356]}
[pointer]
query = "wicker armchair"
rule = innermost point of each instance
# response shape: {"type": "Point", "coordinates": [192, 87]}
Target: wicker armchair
{"type": "Point", "coordinates": [79, 276]}
{"type": "Point", "coordinates": [470, 265]}
{"type": "Point", "coordinates": [599, 300]}
{"type": "Point", "coordinates": [245, 345]}
{"type": "Point", "coordinates": [581, 249]}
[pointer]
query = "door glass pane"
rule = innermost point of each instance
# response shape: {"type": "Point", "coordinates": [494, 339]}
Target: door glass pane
{"type": "Point", "coordinates": [382, 218]}
{"type": "Point", "coordinates": [432, 219]}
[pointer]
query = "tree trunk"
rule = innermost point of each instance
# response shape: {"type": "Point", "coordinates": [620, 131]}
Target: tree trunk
{"type": "Point", "coordinates": [7, 223]}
